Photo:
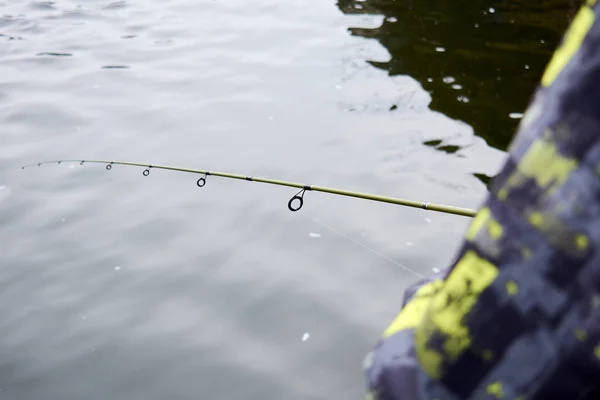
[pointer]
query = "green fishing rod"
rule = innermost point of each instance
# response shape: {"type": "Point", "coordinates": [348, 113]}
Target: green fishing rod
{"type": "Point", "coordinates": [298, 198]}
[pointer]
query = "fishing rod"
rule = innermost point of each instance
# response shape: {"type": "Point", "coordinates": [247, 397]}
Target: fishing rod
{"type": "Point", "coordinates": [298, 198]}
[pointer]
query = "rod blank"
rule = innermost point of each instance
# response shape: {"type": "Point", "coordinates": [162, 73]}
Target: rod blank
{"type": "Point", "coordinates": [297, 199]}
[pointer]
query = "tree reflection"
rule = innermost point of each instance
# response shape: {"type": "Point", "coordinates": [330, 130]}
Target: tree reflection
{"type": "Point", "coordinates": [480, 59]}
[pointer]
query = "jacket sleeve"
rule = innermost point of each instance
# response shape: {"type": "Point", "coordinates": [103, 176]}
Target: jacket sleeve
{"type": "Point", "coordinates": [516, 315]}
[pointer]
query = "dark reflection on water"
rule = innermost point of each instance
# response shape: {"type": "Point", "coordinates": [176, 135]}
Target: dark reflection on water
{"type": "Point", "coordinates": [55, 54]}
{"type": "Point", "coordinates": [479, 59]}
{"type": "Point", "coordinates": [485, 179]}
{"type": "Point", "coordinates": [436, 144]}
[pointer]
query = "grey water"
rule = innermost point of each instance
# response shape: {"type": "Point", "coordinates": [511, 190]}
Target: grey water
{"type": "Point", "coordinates": [118, 286]}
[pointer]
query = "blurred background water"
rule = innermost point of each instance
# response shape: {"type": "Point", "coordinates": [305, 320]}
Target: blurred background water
{"type": "Point", "coordinates": [119, 286]}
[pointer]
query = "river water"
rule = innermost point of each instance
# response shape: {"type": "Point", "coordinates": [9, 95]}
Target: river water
{"type": "Point", "coordinates": [118, 286]}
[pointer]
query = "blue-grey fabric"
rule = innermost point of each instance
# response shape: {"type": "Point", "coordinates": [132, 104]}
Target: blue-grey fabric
{"type": "Point", "coordinates": [517, 315]}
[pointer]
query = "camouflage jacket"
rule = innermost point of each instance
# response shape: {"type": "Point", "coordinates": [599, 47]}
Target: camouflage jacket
{"type": "Point", "coordinates": [516, 316]}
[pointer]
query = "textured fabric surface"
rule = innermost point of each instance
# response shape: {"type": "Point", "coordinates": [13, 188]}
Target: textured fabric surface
{"type": "Point", "coordinates": [517, 315]}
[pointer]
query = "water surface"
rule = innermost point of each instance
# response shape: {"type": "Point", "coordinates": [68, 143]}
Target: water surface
{"type": "Point", "coordinates": [118, 286]}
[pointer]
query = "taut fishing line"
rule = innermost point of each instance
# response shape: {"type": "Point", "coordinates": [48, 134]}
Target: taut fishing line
{"type": "Point", "coordinates": [364, 246]}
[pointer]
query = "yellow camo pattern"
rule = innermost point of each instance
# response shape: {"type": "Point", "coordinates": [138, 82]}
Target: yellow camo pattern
{"type": "Point", "coordinates": [412, 314]}
{"type": "Point", "coordinates": [453, 301]}
{"type": "Point", "coordinates": [449, 305]}
{"type": "Point", "coordinates": [572, 42]}
{"type": "Point", "coordinates": [484, 219]}
{"type": "Point", "coordinates": [544, 163]}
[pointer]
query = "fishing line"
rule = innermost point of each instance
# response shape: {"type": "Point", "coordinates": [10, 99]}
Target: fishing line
{"type": "Point", "coordinates": [368, 248]}
{"type": "Point", "coordinates": [294, 204]}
